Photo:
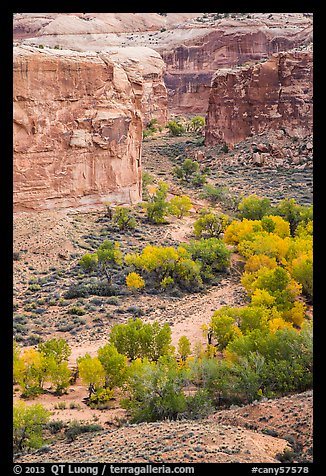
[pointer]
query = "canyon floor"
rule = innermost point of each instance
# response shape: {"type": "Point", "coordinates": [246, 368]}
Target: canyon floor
{"type": "Point", "coordinates": [48, 246]}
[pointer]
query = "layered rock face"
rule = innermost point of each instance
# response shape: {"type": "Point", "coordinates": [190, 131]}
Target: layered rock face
{"type": "Point", "coordinates": [193, 45]}
{"type": "Point", "coordinates": [77, 129]}
{"type": "Point", "coordinates": [191, 66]}
{"type": "Point", "coordinates": [275, 94]}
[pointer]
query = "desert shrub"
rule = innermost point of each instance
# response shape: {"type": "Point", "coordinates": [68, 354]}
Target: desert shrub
{"type": "Point", "coordinates": [176, 128]}
{"type": "Point", "coordinates": [211, 253]}
{"type": "Point", "coordinates": [155, 390]}
{"type": "Point", "coordinates": [214, 194]}
{"type": "Point", "coordinates": [135, 281]}
{"type": "Point", "coordinates": [102, 288]}
{"type": "Point", "coordinates": [288, 456]}
{"type": "Point", "coordinates": [267, 244]}
{"type": "Point", "coordinates": [76, 311]}
{"type": "Point", "coordinates": [210, 224]}
{"type": "Point", "coordinates": [238, 231]}
{"type": "Point", "coordinates": [255, 262]}
{"type": "Point", "coordinates": [199, 405]}
{"type": "Point", "coordinates": [180, 206]}
{"type": "Point", "coordinates": [197, 123]}
{"type": "Point", "coordinates": [89, 262]}
{"type": "Point", "coordinates": [114, 364]}
{"type": "Point", "coordinates": [287, 358]}
{"type": "Point", "coordinates": [157, 205]}
{"type": "Point", "coordinates": [276, 225]}
{"type": "Point", "coordinates": [184, 348]}
{"type": "Point", "coordinates": [75, 291]}
{"type": "Point", "coordinates": [147, 180]}
{"type": "Point", "coordinates": [293, 213]}
{"type": "Point", "coordinates": [136, 339]}
{"type": "Point", "coordinates": [301, 269]}
{"type": "Point", "coordinates": [28, 425]}
{"type": "Point", "coordinates": [75, 429]}
{"type": "Point", "coordinates": [107, 255]}
{"type": "Point", "coordinates": [159, 262]}
{"type": "Point", "coordinates": [32, 373]}
{"type": "Point", "coordinates": [91, 372]}
{"type": "Point", "coordinates": [254, 207]}
{"type": "Point", "coordinates": [224, 326]}
{"type": "Point", "coordinates": [101, 399]}
{"type": "Point", "coordinates": [189, 172]}
{"type": "Point", "coordinates": [55, 426]}
{"type": "Point", "coordinates": [123, 219]}
{"type": "Point", "coordinates": [199, 179]}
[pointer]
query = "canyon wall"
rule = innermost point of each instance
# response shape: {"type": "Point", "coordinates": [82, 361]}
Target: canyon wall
{"type": "Point", "coordinates": [193, 46]}
{"type": "Point", "coordinates": [191, 65]}
{"type": "Point", "coordinates": [77, 129]}
{"type": "Point", "coordinates": [271, 95]}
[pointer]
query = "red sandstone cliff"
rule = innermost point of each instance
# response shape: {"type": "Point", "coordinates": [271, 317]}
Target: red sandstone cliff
{"type": "Point", "coordinates": [267, 96]}
{"type": "Point", "coordinates": [193, 46]}
{"type": "Point", "coordinates": [77, 129]}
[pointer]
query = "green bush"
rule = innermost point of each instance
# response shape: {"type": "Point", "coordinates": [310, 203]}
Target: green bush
{"type": "Point", "coordinates": [114, 364]}
{"type": "Point", "coordinates": [89, 262]}
{"type": "Point", "coordinates": [294, 213]}
{"type": "Point", "coordinates": [75, 429]}
{"type": "Point", "coordinates": [210, 224]}
{"type": "Point", "coordinates": [28, 425]}
{"type": "Point", "coordinates": [157, 205]}
{"type": "Point", "coordinates": [214, 194]}
{"type": "Point", "coordinates": [76, 311]}
{"type": "Point", "coordinates": [175, 128]}
{"type": "Point", "coordinates": [136, 339]}
{"type": "Point", "coordinates": [189, 172]}
{"type": "Point", "coordinates": [180, 206]}
{"type": "Point", "coordinates": [155, 390]}
{"type": "Point", "coordinates": [212, 254]}
{"type": "Point", "coordinates": [101, 399]}
{"type": "Point", "coordinates": [254, 207]}
{"type": "Point", "coordinates": [123, 219]}
{"type": "Point", "coordinates": [197, 123]}
{"type": "Point", "coordinates": [302, 271]}
{"type": "Point", "coordinates": [147, 180]}
{"type": "Point", "coordinates": [287, 358]}
{"type": "Point", "coordinates": [160, 262]}
{"type": "Point", "coordinates": [107, 255]}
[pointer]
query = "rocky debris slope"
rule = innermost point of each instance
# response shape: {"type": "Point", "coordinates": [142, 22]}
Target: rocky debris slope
{"type": "Point", "coordinates": [288, 417]}
{"type": "Point", "coordinates": [271, 150]}
{"type": "Point", "coordinates": [170, 441]}
{"type": "Point", "coordinates": [271, 95]}
{"type": "Point", "coordinates": [193, 45]}
{"type": "Point", "coordinates": [78, 126]}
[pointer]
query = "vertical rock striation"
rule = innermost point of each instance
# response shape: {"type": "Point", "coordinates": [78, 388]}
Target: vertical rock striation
{"type": "Point", "coordinates": [270, 95]}
{"type": "Point", "coordinates": [77, 129]}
